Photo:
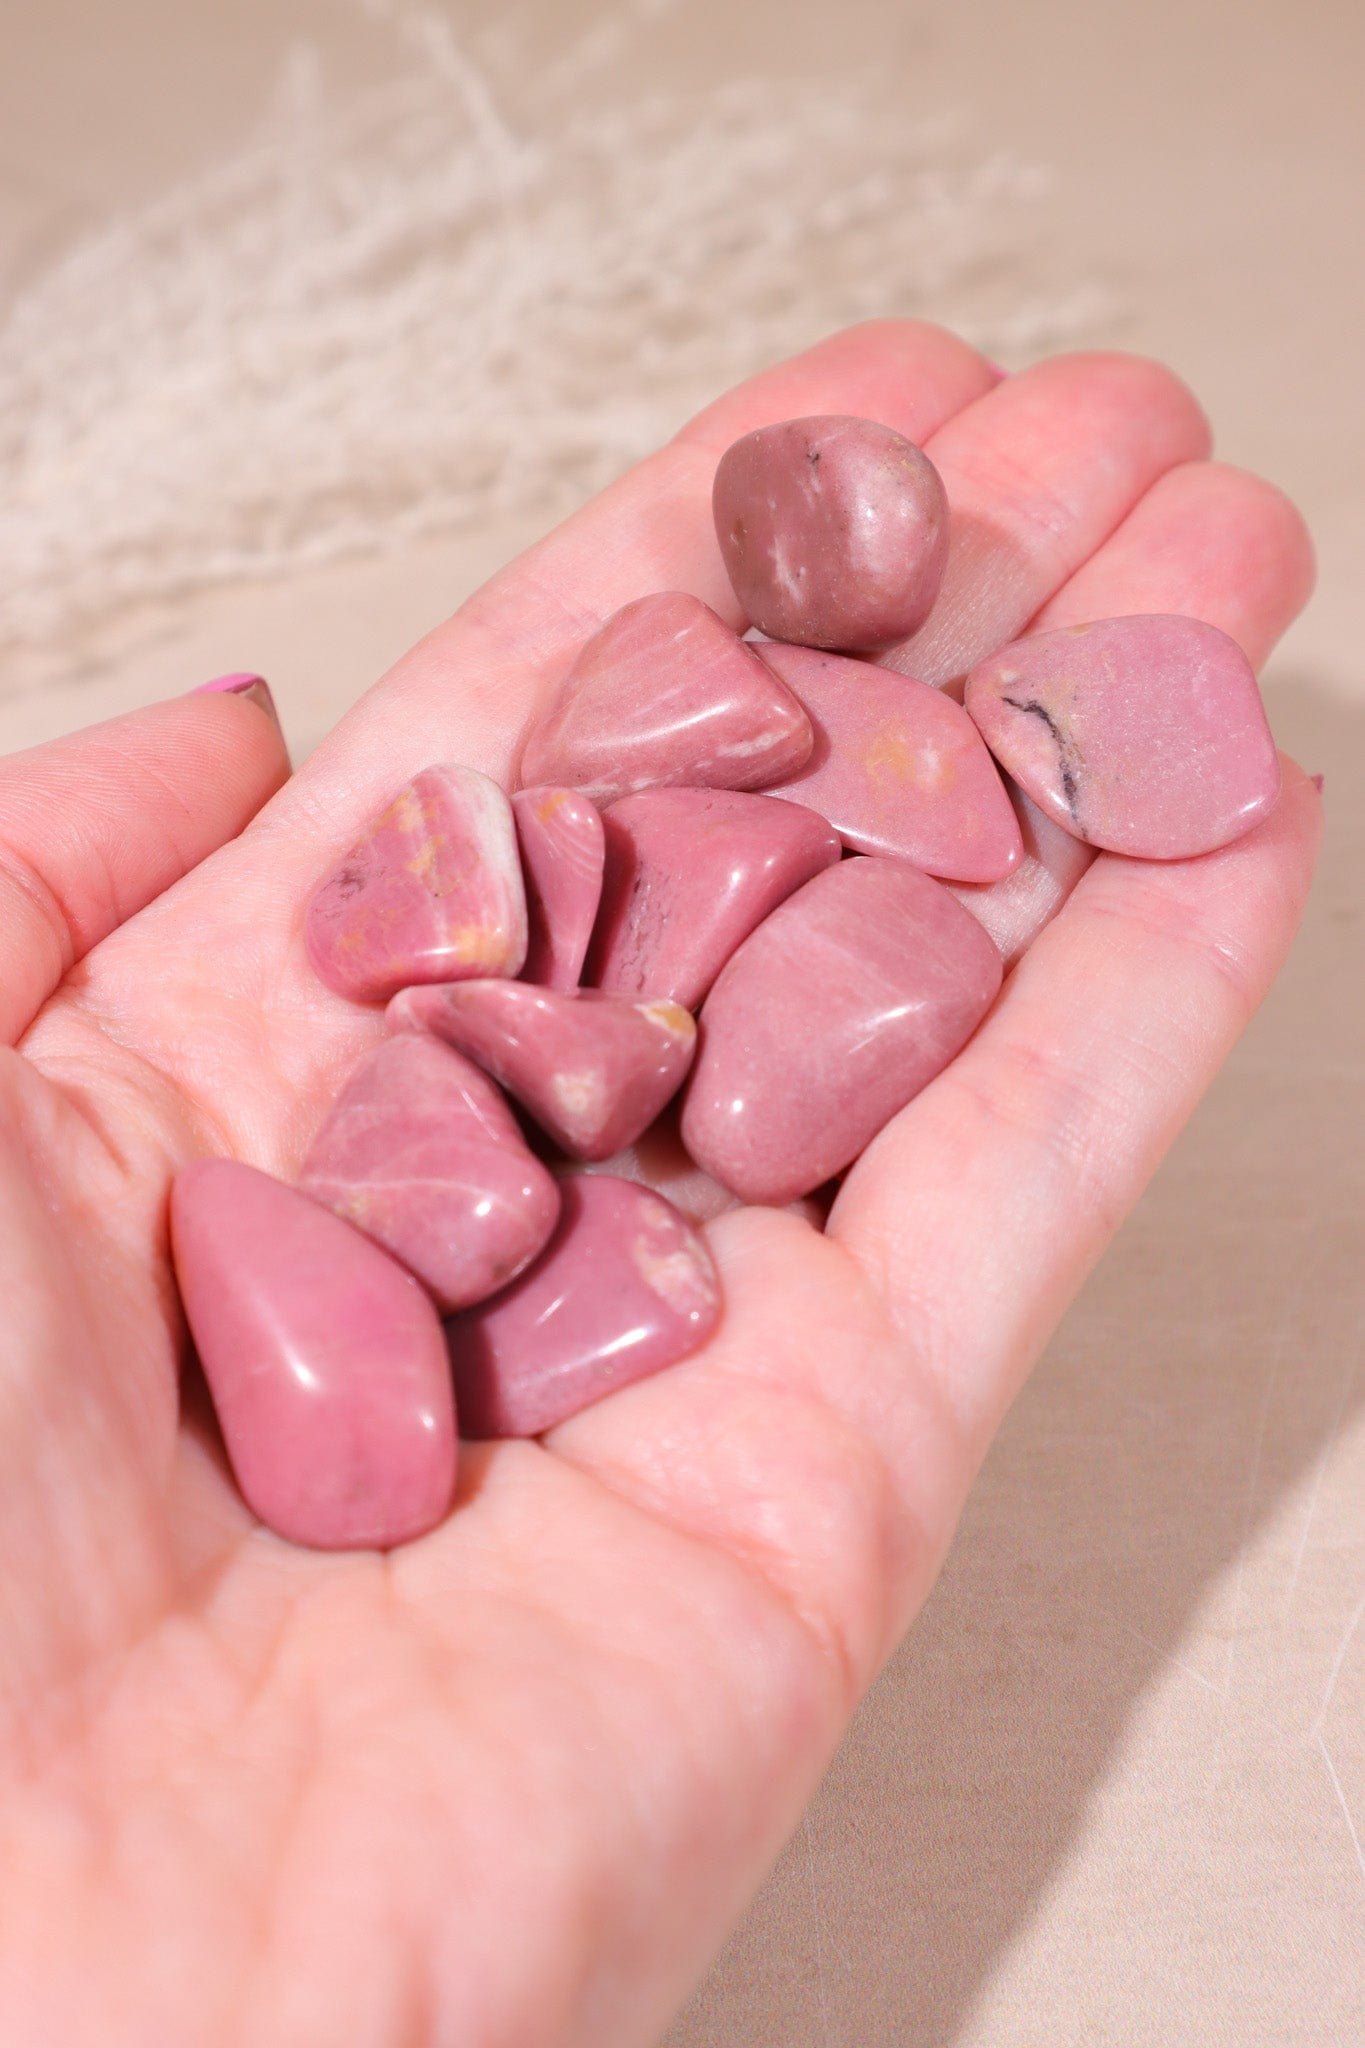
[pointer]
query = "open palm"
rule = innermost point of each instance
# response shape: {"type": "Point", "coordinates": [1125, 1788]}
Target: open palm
{"type": "Point", "coordinates": [508, 1787]}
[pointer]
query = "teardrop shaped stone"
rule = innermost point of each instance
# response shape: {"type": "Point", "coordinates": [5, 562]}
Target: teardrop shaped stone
{"type": "Point", "coordinates": [432, 891]}
{"type": "Point", "coordinates": [562, 850]}
{"type": "Point", "coordinates": [420, 1152]}
{"type": "Point", "coordinates": [593, 1070]}
{"type": "Point", "coordinates": [1144, 735]}
{"type": "Point", "coordinates": [689, 874]}
{"type": "Point", "coordinates": [1015, 911]}
{"type": "Point", "coordinates": [830, 1017]}
{"type": "Point", "coordinates": [624, 1288]}
{"type": "Point", "coordinates": [666, 693]}
{"type": "Point", "coordinates": [834, 530]}
{"type": "Point", "coordinates": [326, 1362]}
{"type": "Point", "coordinates": [898, 768]}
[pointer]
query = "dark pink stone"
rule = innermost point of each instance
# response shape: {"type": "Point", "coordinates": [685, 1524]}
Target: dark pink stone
{"type": "Point", "coordinates": [1014, 911]}
{"type": "Point", "coordinates": [420, 1152]}
{"type": "Point", "coordinates": [898, 768]}
{"type": "Point", "coordinates": [560, 835]}
{"type": "Point", "coordinates": [1145, 735]}
{"type": "Point", "coordinates": [625, 1287]}
{"type": "Point", "coordinates": [325, 1361]}
{"type": "Point", "coordinates": [829, 1018]}
{"type": "Point", "coordinates": [431, 892]}
{"type": "Point", "coordinates": [690, 872]}
{"type": "Point", "coordinates": [666, 693]}
{"type": "Point", "coordinates": [834, 531]}
{"type": "Point", "coordinates": [593, 1070]}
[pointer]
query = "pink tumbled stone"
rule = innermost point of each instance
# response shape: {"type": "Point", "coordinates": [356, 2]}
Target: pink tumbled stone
{"type": "Point", "coordinates": [666, 693]}
{"type": "Point", "coordinates": [560, 835]}
{"type": "Point", "coordinates": [593, 1070]}
{"type": "Point", "coordinates": [625, 1287]}
{"type": "Point", "coordinates": [325, 1360]}
{"type": "Point", "coordinates": [830, 1017]}
{"type": "Point", "coordinates": [689, 874]}
{"type": "Point", "coordinates": [1144, 735]}
{"type": "Point", "coordinates": [420, 1152]}
{"type": "Point", "coordinates": [834, 531]}
{"type": "Point", "coordinates": [1014, 911]}
{"type": "Point", "coordinates": [431, 892]}
{"type": "Point", "coordinates": [898, 768]}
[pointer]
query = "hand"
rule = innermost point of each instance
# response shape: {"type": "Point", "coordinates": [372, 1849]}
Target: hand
{"type": "Point", "coordinates": [509, 1787]}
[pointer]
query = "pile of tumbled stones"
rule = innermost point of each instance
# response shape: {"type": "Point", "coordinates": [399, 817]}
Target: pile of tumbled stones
{"type": "Point", "coordinates": [840, 936]}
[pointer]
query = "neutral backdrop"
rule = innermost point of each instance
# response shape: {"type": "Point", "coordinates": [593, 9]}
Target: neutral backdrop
{"type": "Point", "coordinates": [1113, 1788]}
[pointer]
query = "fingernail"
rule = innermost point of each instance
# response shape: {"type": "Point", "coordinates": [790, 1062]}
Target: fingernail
{"type": "Point", "coordinates": [241, 683]}
{"type": "Point", "coordinates": [1317, 782]}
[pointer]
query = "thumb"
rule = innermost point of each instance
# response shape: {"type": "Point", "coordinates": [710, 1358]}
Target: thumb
{"type": "Point", "coordinates": [96, 825]}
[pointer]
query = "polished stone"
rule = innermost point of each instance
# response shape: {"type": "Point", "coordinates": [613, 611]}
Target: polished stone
{"type": "Point", "coordinates": [432, 891]}
{"type": "Point", "coordinates": [420, 1151]}
{"type": "Point", "coordinates": [1015, 911]}
{"type": "Point", "coordinates": [325, 1361]}
{"type": "Point", "coordinates": [559, 832]}
{"type": "Point", "coordinates": [625, 1287]}
{"type": "Point", "coordinates": [830, 1017]}
{"type": "Point", "coordinates": [834, 531]}
{"type": "Point", "coordinates": [898, 768]}
{"type": "Point", "coordinates": [1143, 735]}
{"type": "Point", "coordinates": [593, 1070]}
{"type": "Point", "coordinates": [689, 874]}
{"type": "Point", "coordinates": [666, 693]}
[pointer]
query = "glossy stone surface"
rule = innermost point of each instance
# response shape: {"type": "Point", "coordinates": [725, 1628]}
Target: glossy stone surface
{"type": "Point", "coordinates": [593, 1070]}
{"type": "Point", "coordinates": [432, 891]}
{"type": "Point", "coordinates": [1014, 911]}
{"type": "Point", "coordinates": [834, 531]}
{"type": "Point", "coordinates": [666, 693]}
{"type": "Point", "coordinates": [559, 832]}
{"type": "Point", "coordinates": [898, 768]}
{"type": "Point", "coordinates": [689, 874]}
{"type": "Point", "coordinates": [830, 1017]}
{"type": "Point", "coordinates": [325, 1360]}
{"type": "Point", "coordinates": [420, 1152]}
{"type": "Point", "coordinates": [1145, 735]}
{"type": "Point", "coordinates": [624, 1288]}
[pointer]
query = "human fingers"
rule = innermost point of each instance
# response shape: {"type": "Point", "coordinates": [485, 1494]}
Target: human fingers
{"type": "Point", "coordinates": [95, 825]}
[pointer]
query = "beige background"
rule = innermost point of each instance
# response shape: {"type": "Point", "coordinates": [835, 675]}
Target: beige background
{"type": "Point", "coordinates": [1113, 1790]}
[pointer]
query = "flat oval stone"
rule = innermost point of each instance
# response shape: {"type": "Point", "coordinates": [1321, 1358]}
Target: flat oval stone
{"type": "Point", "coordinates": [1015, 911]}
{"type": "Point", "coordinates": [325, 1360]}
{"type": "Point", "coordinates": [625, 1287]}
{"type": "Point", "coordinates": [834, 531]}
{"type": "Point", "coordinates": [689, 874]}
{"type": "Point", "coordinates": [431, 892]}
{"type": "Point", "coordinates": [1144, 735]}
{"type": "Point", "coordinates": [666, 693]}
{"type": "Point", "coordinates": [562, 849]}
{"type": "Point", "coordinates": [830, 1017]}
{"type": "Point", "coordinates": [593, 1070]}
{"type": "Point", "coordinates": [420, 1152]}
{"type": "Point", "coordinates": [898, 768]}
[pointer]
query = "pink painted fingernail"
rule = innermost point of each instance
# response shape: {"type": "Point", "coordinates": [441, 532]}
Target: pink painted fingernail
{"type": "Point", "coordinates": [241, 683]}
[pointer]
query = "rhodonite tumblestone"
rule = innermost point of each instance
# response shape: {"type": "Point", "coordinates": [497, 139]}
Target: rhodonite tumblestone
{"type": "Point", "coordinates": [420, 1152]}
{"type": "Point", "coordinates": [432, 891]}
{"type": "Point", "coordinates": [898, 768]}
{"type": "Point", "coordinates": [559, 832]}
{"type": "Point", "coordinates": [834, 531]}
{"type": "Point", "coordinates": [666, 693]}
{"type": "Point", "coordinates": [830, 1017]}
{"type": "Point", "coordinates": [1143, 735]}
{"type": "Point", "coordinates": [594, 1070]}
{"type": "Point", "coordinates": [625, 1287]}
{"type": "Point", "coordinates": [326, 1362]}
{"type": "Point", "coordinates": [689, 874]}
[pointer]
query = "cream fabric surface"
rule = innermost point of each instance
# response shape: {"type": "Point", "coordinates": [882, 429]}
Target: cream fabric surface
{"type": "Point", "coordinates": [1113, 1788]}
